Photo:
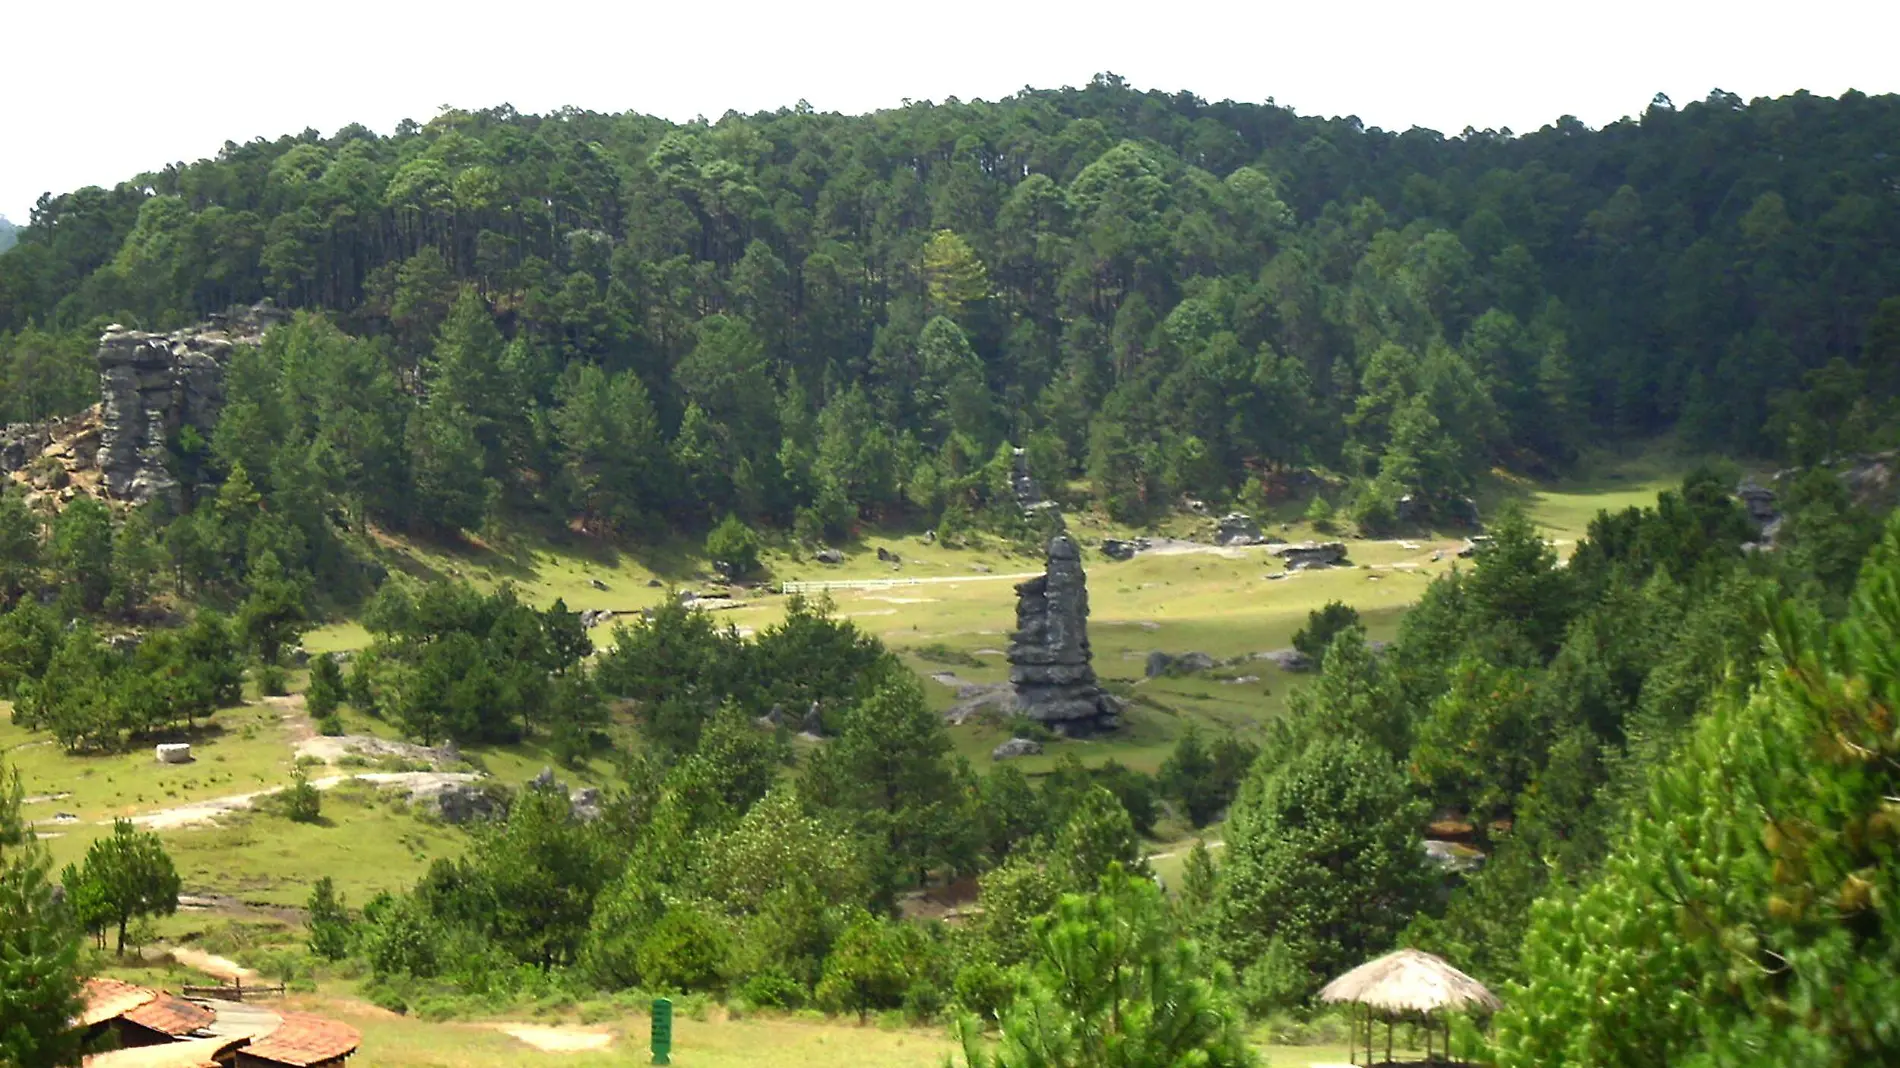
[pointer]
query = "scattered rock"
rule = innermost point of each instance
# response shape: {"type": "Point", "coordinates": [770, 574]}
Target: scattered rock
{"type": "Point", "coordinates": [1117, 549]}
{"type": "Point", "coordinates": [1050, 662]}
{"type": "Point", "coordinates": [174, 753]}
{"type": "Point", "coordinates": [465, 802]}
{"type": "Point", "coordinates": [1237, 528]}
{"type": "Point", "coordinates": [981, 569]}
{"type": "Point", "coordinates": [654, 584]}
{"type": "Point", "coordinates": [930, 536]}
{"type": "Point", "coordinates": [1198, 507]}
{"type": "Point", "coordinates": [1287, 659]}
{"type": "Point", "coordinates": [586, 802]}
{"type": "Point", "coordinates": [829, 556]}
{"type": "Point", "coordinates": [1016, 747]}
{"type": "Point", "coordinates": [1299, 556]}
{"type": "Point", "coordinates": [1241, 680]}
{"type": "Point", "coordinates": [1453, 857]}
{"type": "Point", "coordinates": [886, 556]}
{"type": "Point", "coordinates": [1160, 663]}
{"type": "Point", "coordinates": [1474, 545]}
{"type": "Point", "coordinates": [594, 617]}
{"type": "Point", "coordinates": [597, 584]}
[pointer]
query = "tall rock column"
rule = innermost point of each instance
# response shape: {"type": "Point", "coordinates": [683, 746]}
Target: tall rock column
{"type": "Point", "coordinates": [1049, 654]}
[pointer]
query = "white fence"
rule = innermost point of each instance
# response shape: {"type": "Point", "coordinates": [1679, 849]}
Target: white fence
{"type": "Point", "coordinates": [822, 585]}
{"type": "Point", "coordinates": [846, 584]}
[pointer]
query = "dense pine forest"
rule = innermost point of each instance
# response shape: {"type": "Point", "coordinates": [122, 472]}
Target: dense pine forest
{"type": "Point", "coordinates": [1669, 746]}
{"type": "Point", "coordinates": [806, 318]}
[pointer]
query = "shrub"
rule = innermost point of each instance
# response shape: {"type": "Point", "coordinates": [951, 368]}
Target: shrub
{"type": "Point", "coordinates": [733, 547]}
{"type": "Point", "coordinates": [772, 988]}
{"type": "Point", "coordinates": [301, 801]}
{"type": "Point", "coordinates": [685, 950]}
{"type": "Point", "coordinates": [1320, 514]}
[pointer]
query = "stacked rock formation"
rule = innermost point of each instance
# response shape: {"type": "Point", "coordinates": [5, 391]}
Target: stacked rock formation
{"type": "Point", "coordinates": [151, 386]}
{"type": "Point", "coordinates": [1049, 653]}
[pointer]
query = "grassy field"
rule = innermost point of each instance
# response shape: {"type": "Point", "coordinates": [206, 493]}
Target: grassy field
{"type": "Point", "coordinates": [955, 621]}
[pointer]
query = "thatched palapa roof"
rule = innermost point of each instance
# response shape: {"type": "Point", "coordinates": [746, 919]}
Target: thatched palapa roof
{"type": "Point", "coordinates": [1409, 981]}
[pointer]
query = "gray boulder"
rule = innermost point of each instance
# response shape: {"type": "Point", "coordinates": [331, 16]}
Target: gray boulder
{"type": "Point", "coordinates": [830, 556]}
{"type": "Point", "coordinates": [1016, 747]}
{"type": "Point", "coordinates": [1287, 660]}
{"type": "Point", "coordinates": [1237, 528]}
{"type": "Point", "coordinates": [466, 802]}
{"type": "Point", "coordinates": [1302, 555]}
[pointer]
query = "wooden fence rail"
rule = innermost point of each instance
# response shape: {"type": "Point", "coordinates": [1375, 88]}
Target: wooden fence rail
{"type": "Point", "coordinates": [235, 991]}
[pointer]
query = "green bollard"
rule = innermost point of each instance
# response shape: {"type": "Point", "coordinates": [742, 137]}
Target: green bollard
{"type": "Point", "coordinates": [662, 1030]}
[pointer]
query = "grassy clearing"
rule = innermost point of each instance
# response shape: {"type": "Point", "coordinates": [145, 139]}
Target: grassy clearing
{"type": "Point", "coordinates": [704, 1040]}
{"type": "Point", "coordinates": [713, 1042]}
{"type": "Point", "coordinates": [368, 840]}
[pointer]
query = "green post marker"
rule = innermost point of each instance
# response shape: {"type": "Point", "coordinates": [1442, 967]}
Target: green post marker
{"type": "Point", "coordinates": [662, 1030]}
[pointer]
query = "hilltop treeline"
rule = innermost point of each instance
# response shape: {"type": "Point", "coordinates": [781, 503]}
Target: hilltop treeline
{"type": "Point", "coordinates": [812, 317]}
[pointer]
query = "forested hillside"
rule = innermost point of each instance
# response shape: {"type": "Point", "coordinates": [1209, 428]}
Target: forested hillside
{"type": "Point", "coordinates": [9, 234]}
{"type": "Point", "coordinates": [805, 318]}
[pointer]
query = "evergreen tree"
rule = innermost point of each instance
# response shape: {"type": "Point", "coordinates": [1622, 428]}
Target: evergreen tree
{"type": "Point", "coordinates": [43, 981]}
{"type": "Point", "coordinates": [132, 875]}
{"type": "Point", "coordinates": [328, 920]}
{"type": "Point", "coordinates": [890, 770]}
{"type": "Point", "coordinates": [1336, 815]}
{"type": "Point", "coordinates": [1112, 985]}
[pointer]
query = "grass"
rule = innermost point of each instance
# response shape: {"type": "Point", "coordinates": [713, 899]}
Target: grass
{"type": "Point", "coordinates": [713, 1040]}
{"type": "Point", "coordinates": [368, 840]}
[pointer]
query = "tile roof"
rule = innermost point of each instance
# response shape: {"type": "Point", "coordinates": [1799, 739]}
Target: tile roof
{"type": "Point", "coordinates": [171, 1015]}
{"type": "Point", "coordinates": [106, 999]}
{"type": "Point", "coordinates": [305, 1040]}
{"type": "Point", "coordinates": [195, 1053]}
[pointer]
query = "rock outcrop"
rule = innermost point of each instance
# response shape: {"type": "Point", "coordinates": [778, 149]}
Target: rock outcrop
{"type": "Point", "coordinates": [1759, 502]}
{"type": "Point", "coordinates": [1016, 747]}
{"type": "Point", "coordinates": [1237, 528]}
{"type": "Point", "coordinates": [1050, 662]}
{"type": "Point", "coordinates": [151, 388]}
{"type": "Point", "coordinates": [1117, 549]}
{"type": "Point", "coordinates": [1299, 556]}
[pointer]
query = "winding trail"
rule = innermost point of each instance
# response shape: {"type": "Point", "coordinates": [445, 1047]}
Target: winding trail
{"type": "Point", "coordinates": [201, 813]}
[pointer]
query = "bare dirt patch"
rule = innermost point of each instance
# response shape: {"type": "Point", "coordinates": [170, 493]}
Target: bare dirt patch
{"type": "Point", "coordinates": [558, 1039]}
{"type": "Point", "coordinates": [420, 784]}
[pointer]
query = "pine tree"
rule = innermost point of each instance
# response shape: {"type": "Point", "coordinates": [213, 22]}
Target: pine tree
{"type": "Point", "coordinates": [132, 874]}
{"type": "Point", "coordinates": [39, 943]}
{"type": "Point", "coordinates": [328, 920]}
{"type": "Point", "coordinates": [1113, 986]}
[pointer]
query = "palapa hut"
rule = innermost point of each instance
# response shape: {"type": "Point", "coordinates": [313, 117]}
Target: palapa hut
{"type": "Point", "coordinates": [1405, 984]}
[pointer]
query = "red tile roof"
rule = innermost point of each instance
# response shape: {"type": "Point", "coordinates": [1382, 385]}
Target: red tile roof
{"type": "Point", "coordinates": [305, 1040]}
{"type": "Point", "coordinates": [107, 999]}
{"type": "Point", "coordinates": [194, 1053]}
{"type": "Point", "coordinates": [171, 1015]}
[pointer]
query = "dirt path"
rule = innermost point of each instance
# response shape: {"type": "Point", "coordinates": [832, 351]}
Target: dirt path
{"type": "Point", "coordinates": [1211, 846]}
{"type": "Point", "coordinates": [209, 963]}
{"type": "Point", "coordinates": [558, 1039]}
{"type": "Point", "coordinates": [199, 813]}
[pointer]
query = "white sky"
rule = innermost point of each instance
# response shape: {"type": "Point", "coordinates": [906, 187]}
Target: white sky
{"type": "Point", "coordinates": [92, 93]}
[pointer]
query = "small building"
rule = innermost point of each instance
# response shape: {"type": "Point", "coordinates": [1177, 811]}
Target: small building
{"type": "Point", "coordinates": [137, 1016]}
{"type": "Point", "coordinates": [190, 1053]}
{"type": "Point", "coordinates": [302, 1041]}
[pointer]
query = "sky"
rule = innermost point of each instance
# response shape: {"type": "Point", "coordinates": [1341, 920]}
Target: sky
{"type": "Point", "coordinates": [94, 94]}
